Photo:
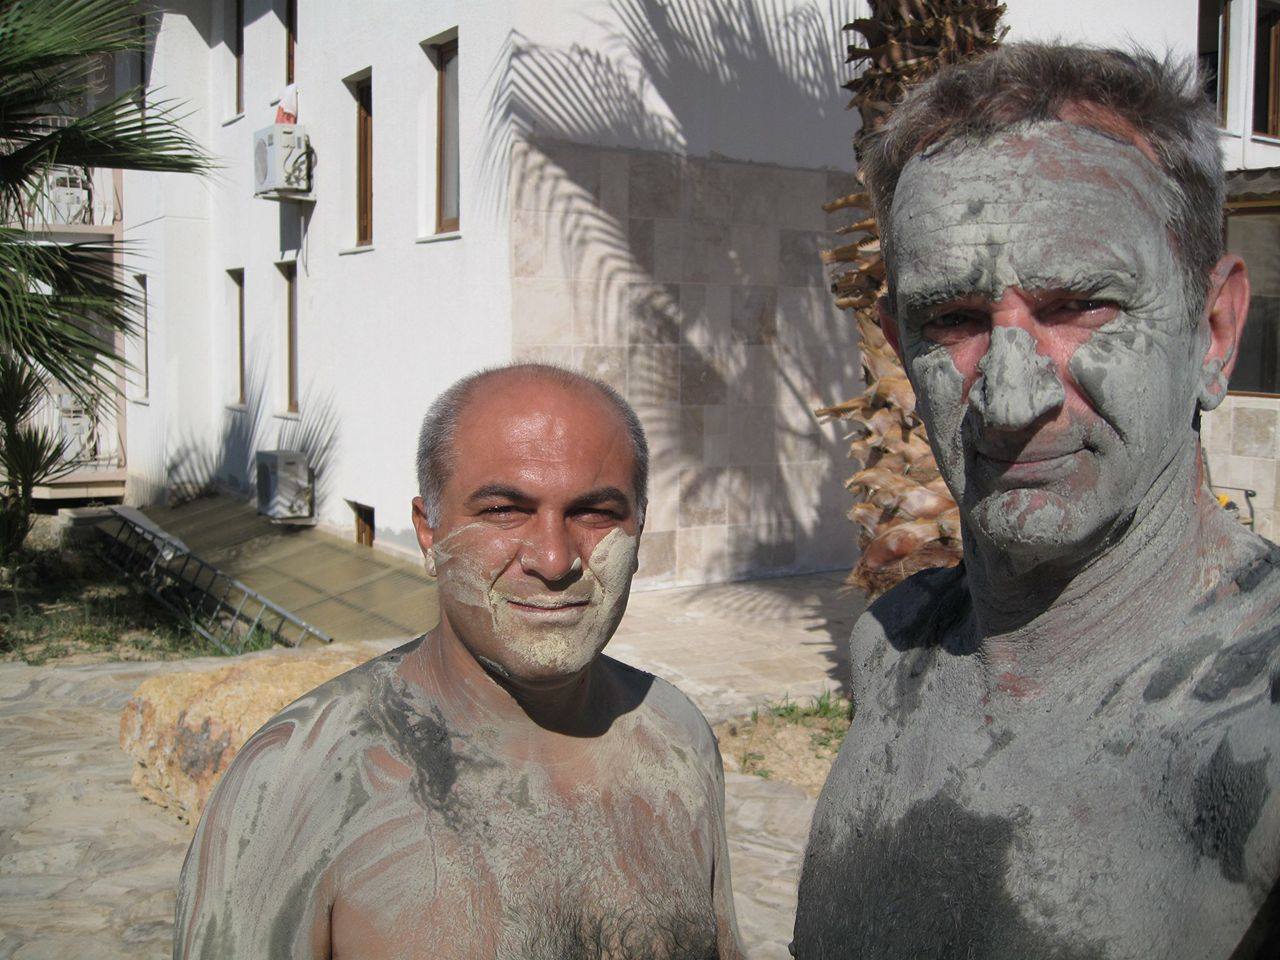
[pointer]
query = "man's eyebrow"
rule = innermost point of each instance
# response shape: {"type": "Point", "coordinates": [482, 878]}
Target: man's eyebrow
{"type": "Point", "coordinates": [498, 491]}
{"type": "Point", "coordinates": [922, 298]}
{"type": "Point", "coordinates": [601, 496]}
{"type": "Point", "coordinates": [1085, 283]}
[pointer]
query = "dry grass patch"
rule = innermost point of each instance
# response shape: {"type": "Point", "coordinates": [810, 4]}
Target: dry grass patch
{"type": "Point", "coordinates": [788, 740]}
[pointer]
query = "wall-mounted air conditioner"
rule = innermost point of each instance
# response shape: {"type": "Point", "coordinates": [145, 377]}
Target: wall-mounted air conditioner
{"type": "Point", "coordinates": [282, 162]}
{"type": "Point", "coordinates": [286, 486]}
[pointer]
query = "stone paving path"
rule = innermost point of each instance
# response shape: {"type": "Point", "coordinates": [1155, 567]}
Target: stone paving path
{"type": "Point", "coordinates": [87, 869]}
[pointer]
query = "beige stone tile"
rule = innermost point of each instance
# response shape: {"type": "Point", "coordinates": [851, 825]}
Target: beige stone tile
{"type": "Point", "coordinates": [668, 250]}
{"type": "Point", "coordinates": [707, 254]}
{"type": "Point", "coordinates": [800, 199]}
{"type": "Point", "coordinates": [708, 190]}
{"type": "Point", "coordinates": [654, 185]}
{"type": "Point", "coordinates": [703, 376]}
{"type": "Point", "coordinates": [753, 314]}
{"type": "Point", "coordinates": [754, 251]}
{"type": "Point", "coordinates": [1253, 431]}
{"type": "Point", "coordinates": [754, 190]}
{"type": "Point", "coordinates": [653, 373]}
{"type": "Point", "coordinates": [702, 554]}
{"type": "Point", "coordinates": [703, 497]}
{"type": "Point", "coordinates": [540, 353]}
{"type": "Point", "coordinates": [615, 172]}
{"type": "Point", "coordinates": [657, 554]}
{"type": "Point", "coordinates": [661, 515]}
{"type": "Point", "coordinates": [542, 312]}
{"type": "Point", "coordinates": [798, 262]}
{"type": "Point", "coordinates": [604, 363]}
{"type": "Point", "coordinates": [653, 313]}
{"type": "Point", "coordinates": [753, 435]}
{"type": "Point", "coordinates": [705, 309]}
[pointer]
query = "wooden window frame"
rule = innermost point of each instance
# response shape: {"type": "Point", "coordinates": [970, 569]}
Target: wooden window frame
{"type": "Point", "coordinates": [1247, 208]}
{"type": "Point", "coordinates": [289, 270]}
{"type": "Point", "coordinates": [237, 36]}
{"type": "Point", "coordinates": [365, 528]}
{"type": "Point", "coordinates": [144, 305]}
{"type": "Point", "coordinates": [1224, 61]}
{"type": "Point", "coordinates": [1267, 29]}
{"type": "Point", "coordinates": [363, 91]}
{"type": "Point", "coordinates": [290, 39]}
{"type": "Point", "coordinates": [444, 54]}
{"type": "Point", "coordinates": [237, 280]}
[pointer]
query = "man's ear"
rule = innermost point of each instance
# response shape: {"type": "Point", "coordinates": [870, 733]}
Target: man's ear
{"type": "Point", "coordinates": [1226, 305]}
{"type": "Point", "coordinates": [889, 325]}
{"type": "Point", "coordinates": [426, 535]}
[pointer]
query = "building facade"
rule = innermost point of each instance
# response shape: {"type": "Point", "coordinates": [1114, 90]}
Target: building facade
{"type": "Point", "coordinates": [629, 187]}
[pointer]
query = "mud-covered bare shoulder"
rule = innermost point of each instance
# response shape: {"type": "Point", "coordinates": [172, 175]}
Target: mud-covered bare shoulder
{"type": "Point", "coordinates": [663, 704]}
{"type": "Point", "coordinates": [901, 633]}
{"type": "Point", "coordinates": [269, 827]}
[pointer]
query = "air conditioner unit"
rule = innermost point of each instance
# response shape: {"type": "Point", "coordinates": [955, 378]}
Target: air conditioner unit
{"type": "Point", "coordinates": [75, 427]}
{"type": "Point", "coordinates": [70, 199]}
{"type": "Point", "coordinates": [282, 162]}
{"type": "Point", "coordinates": [286, 488]}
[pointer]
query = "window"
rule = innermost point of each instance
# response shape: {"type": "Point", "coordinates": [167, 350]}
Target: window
{"type": "Point", "coordinates": [1214, 49]}
{"type": "Point", "coordinates": [364, 523]}
{"type": "Point", "coordinates": [1255, 236]}
{"type": "Point", "coordinates": [447, 200]}
{"type": "Point", "coordinates": [363, 91]}
{"type": "Point", "coordinates": [141, 94]}
{"type": "Point", "coordinates": [290, 273]}
{"type": "Point", "coordinates": [237, 50]}
{"type": "Point", "coordinates": [144, 336]}
{"type": "Point", "coordinates": [290, 38]}
{"type": "Point", "coordinates": [237, 301]}
{"type": "Point", "coordinates": [1266, 69]}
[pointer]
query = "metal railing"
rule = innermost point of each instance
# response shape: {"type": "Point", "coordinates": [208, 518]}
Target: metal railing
{"type": "Point", "coordinates": [220, 608]}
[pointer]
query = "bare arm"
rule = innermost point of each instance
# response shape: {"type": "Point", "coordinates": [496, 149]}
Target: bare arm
{"type": "Point", "coordinates": [248, 887]}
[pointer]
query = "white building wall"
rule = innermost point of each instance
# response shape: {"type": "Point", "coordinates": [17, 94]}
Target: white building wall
{"type": "Point", "coordinates": [737, 105]}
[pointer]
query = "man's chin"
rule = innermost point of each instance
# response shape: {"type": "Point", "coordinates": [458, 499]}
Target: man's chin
{"type": "Point", "coordinates": [1033, 523]}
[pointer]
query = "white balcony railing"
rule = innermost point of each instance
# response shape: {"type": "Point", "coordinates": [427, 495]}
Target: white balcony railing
{"type": "Point", "coordinates": [90, 431]}
{"type": "Point", "coordinates": [74, 197]}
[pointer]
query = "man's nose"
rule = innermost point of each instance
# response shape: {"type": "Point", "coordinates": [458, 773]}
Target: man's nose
{"type": "Point", "coordinates": [549, 553]}
{"type": "Point", "coordinates": [1016, 385]}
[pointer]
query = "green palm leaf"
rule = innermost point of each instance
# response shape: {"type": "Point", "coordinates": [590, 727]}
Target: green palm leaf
{"type": "Point", "coordinates": [62, 304]}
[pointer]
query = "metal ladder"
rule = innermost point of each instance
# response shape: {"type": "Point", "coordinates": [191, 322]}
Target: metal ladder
{"type": "Point", "coordinates": [220, 608]}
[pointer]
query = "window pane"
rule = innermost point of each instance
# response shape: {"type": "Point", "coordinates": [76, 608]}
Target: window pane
{"type": "Point", "coordinates": [1256, 238]}
{"type": "Point", "coordinates": [449, 140]}
{"type": "Point", "coordinates": [1266, 69]}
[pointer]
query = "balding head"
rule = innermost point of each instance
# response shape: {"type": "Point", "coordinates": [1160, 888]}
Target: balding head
{"type": "Point", "coordinates": [439, 427]}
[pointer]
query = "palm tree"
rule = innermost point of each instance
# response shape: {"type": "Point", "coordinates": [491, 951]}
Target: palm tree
{"type": "Point", "coordinates": [906, 518]}
{"type": "Point", "coordinates": [55, 299]}
{"type": "Point", "coordinates": [62, 304]}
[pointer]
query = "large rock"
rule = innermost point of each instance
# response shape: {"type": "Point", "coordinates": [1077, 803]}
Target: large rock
{"type": "Point", "coordinates": [183, 729]}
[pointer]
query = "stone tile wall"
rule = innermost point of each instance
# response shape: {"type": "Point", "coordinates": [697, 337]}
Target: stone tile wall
{"type": "Point", "coordinates": [1242, 441]}
{"type": "Point", "coordinates": [694, 286]}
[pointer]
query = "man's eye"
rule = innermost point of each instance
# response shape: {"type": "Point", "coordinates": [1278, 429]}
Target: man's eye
{"type": "Point", "coordinates": [1083, 306]}
{"type": "Point", "coordinates": [500, 511]}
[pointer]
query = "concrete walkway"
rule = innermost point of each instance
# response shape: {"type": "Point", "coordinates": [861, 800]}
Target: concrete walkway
{"type": "Point", "coordinates": [87, 869]}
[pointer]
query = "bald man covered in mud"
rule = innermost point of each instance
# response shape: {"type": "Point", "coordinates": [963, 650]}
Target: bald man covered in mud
{"type": "Point", "coordinates": [1068, 747]}
{"type": "Point", "coordinates": [497, 788]}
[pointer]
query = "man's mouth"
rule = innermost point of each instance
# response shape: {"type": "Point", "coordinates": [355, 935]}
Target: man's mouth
{"type": "Point", "coordinates": [546, 604]}
{"type": "Point", "coordinates": [1030, 466]}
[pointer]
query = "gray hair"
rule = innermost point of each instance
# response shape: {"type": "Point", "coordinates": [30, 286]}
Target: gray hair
{"type": "Point", "coordinates": [435, 439]}
{"type": "Point", "coordinates": [1162, 99]}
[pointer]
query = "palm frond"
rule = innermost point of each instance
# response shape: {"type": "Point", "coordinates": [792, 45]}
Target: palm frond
{"type": "Point", "coordinates": [60, 307]}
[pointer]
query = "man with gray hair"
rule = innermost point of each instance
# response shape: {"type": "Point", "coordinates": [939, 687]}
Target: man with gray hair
{"type": "Point", "coordinates": [1067, 746]}
{"type": "Point", "coordinates": [497, 788]}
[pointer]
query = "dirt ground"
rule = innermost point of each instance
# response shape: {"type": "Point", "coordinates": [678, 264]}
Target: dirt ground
{"type": "Point", "coordinates": [63, 604]}
{"type": "Point", "coordinates": [791, 741]}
